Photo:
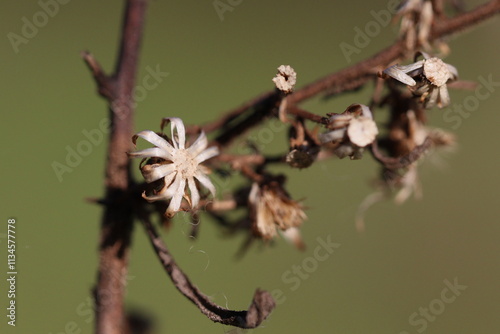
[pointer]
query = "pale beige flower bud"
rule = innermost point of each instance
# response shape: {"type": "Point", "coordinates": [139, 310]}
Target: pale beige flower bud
{"type": "Point", "coordinates": [285, 79]}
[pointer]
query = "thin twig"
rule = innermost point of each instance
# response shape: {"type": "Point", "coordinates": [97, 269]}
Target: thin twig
{"type": "Point", "coordinates": [294, 110]}
{"type": "Point", "coordinates": [261, 306]}
{"type": "Point", "coordinates": [227, 118]}
{"type": "Point", "coordinates": [466, 20]}
{"type": "Point", "coordinates": [102, 80]}
{"type": "Point", "coordinates": [400, 162]}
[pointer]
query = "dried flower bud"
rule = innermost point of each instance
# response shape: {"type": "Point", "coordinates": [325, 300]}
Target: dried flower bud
{"type": "Point", "coordinates": [301, 157]}
{"type": "Point", "coordinates": [352, 130]}
{"type": "Point", "coordinates": [416, 22]}
{"type": "Point", "coordinates": [362, 131]}
{"type": "Point", "coordinates": [273, 210]}
{"type": "Point", "coordinates": [426, 78]}
{"type": "Point", "coordinates": [304, 147]}
{"type": "Point", "coordinates": [285, 79]}
{"type": "Point", "coordinates": [436, 71]}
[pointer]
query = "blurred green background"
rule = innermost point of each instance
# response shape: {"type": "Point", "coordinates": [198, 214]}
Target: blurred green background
{"type": "Point", "coordinates": [372, 283]}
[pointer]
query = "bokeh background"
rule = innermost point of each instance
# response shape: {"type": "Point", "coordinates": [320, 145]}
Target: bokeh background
{"type": "Point", "coordinates": [372, 283]}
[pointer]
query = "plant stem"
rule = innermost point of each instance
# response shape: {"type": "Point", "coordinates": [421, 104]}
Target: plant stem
{"type": "Point", "coordinates": [117, 220]}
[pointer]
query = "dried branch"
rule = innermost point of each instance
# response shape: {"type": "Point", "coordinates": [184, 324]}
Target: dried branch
{"type": "Point", "coordinates": [348, 79]}
{"type": "Point", "coordinates": [293, 110]}
{"type": "Point", "coordinates": [104, 84]}
{"type": "Point", "coordinates": [404, 161]}
{"type": "Point", "coordinates": [121, 198]}
{"type": "Point", "coordinates": [261, 306]}
{"type": "Point", "coordinates": [466, 20]}
{"type": "Point", "coordinates": [227, 118]}
{"type": "Point", "coordinates": [261, 110]}
{"type": "Point", "coordinates": [117, 220]}
{"type": "Point", "coordinates": [357, 75]}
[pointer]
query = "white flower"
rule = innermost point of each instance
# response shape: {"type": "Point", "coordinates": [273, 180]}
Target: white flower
{"type": "Point", "coordinates": [435, 73]}
{"type": "Point", "coordinates": [352, 130]}
{"type": "Point", "coordinates": [285, 79]}
{"type": "Point", "coordinates": [178, 166]}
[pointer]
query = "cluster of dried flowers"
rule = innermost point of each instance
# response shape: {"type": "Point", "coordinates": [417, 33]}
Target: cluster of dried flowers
{"type": "Point", "coordinates": [178, 169]}
{"type": "Point", "coordinates": [175, 170]}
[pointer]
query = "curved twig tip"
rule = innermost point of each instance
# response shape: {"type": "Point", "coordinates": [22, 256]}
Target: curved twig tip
{"type": "Point", "coordinates": [262, 305]}
{"type": "Point", "coordinates": [260, 308]}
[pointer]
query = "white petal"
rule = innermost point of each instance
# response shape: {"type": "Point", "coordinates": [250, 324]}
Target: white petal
{"type": "Point", "coordinates": [168, 179]}
{"type": "Point", "coordinates": [254, 193]}
{"type": "Point", "coordinates": [424, 25]}
{"type": "Point", "coordinates": [157, 172]}
{"type": "Point", "coordinates": [199, 145]}
{"type": "Point", "coordinates": [195, 195]}
{"type": "Point", "coordinates": [399, 74]}
{"type": "Point", "coordinates": [175, 202]}
{"type": "Point", "coordinates": [412, 67]}
{"type": "Point", "coordinates": [152, 152]}
{"type": "Point", "coordinates": [173, 188]}
{"type": "Point", "coordinates": [207, 154]}
{"type": "Point", "coordinates": [264, 221]}
{"type": "Point", "coordinates": [179, 140]}
{"type": "Point", "coordinates": [444, 97]}
{"type": "Point", "coordinates": [366, 112]}
{"type": "Point", "coordinates": [432, 98]}
{"type": "Point", "coordinates": [164, 193]}
{"type": "Point", "coordinates": [453, 71]}
{"type": "Point", "coordinates": [332, 135]}
{"type": "Point", "coordinates": [153, 198]}
{"type": "Point", "coordinates": [205, 181]}
{"type": "Point", "coordinates": [154, 139]}
{"type": "Point", "coordinates": [340, 120]}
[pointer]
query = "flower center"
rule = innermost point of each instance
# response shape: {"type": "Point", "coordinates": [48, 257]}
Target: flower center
{"type": "Point", "coordinates": [185, 163]}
